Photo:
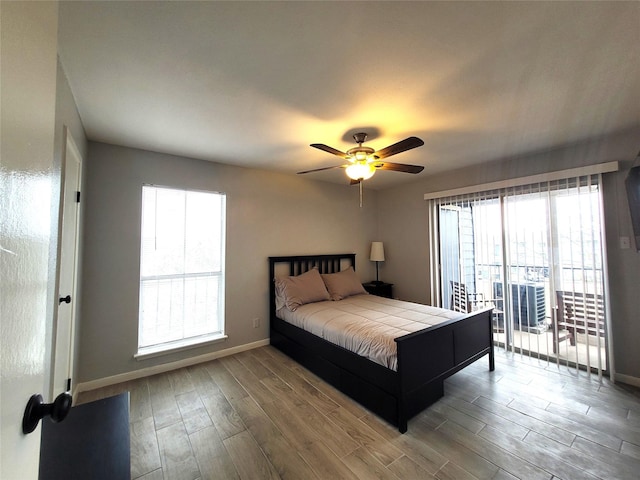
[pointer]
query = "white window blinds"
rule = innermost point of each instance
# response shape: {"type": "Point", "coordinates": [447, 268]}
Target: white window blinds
{"type": "Point", "coordinates": [181, 268]}
{"type": "Point", "coordinates": [536, 254]}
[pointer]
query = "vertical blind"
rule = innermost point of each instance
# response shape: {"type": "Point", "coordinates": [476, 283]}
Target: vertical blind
{"type": "Point", "coordinates": [534, 253]}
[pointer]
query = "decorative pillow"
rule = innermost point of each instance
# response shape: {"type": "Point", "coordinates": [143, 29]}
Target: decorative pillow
{"type": "Point", "coordinates": [293, 292]}
{"type": "Point", "coordinates": [343, 284]}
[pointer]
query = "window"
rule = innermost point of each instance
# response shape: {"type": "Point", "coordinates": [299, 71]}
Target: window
{"type": "Point", "coordinates": [181, 269]}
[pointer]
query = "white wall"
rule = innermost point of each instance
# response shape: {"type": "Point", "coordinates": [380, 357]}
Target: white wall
{"type": "Point", "coordinates": [403, 224]}
{"type": "Point", "coordinates": [267, 214]}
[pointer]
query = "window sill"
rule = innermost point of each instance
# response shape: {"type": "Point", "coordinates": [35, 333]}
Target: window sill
{"type": "Point", "coordinates": [178, 346]}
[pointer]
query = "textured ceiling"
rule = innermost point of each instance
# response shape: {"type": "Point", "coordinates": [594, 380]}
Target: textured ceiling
{"type": "Point", "coordinates": [254, 83]}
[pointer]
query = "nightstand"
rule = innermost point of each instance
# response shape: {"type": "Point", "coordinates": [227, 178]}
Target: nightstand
{"type": "Point", "coordinates": [380, 289]}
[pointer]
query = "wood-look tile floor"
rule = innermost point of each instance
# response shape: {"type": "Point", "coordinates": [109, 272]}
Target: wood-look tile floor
{"type": "Point", "coordinates": [258, 415]}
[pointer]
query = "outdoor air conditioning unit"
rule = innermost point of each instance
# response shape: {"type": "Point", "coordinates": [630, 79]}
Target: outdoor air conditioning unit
{"type": "Point", "coordinates": [527, 303]}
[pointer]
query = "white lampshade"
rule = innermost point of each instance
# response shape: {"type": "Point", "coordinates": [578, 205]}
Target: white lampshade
{"type": "Point", "coordinates": [377, 252]}
{"type": "Point", "coordinates": [360, 171]}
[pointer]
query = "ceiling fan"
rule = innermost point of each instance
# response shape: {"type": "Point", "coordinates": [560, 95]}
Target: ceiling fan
{"type": "Point", "coordinates": [364, 161]}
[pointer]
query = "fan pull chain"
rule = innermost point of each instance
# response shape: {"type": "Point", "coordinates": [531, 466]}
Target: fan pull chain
{"type": "Point", "coordinates": [360, 185]}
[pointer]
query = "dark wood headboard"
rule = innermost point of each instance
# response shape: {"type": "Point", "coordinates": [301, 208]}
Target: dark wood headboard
{"type": "Point", "coordinates": [301, 263]}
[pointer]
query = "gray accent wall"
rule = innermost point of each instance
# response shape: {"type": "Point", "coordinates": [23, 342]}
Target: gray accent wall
{"type": "Point", "coordinates": [267, 214]}
{"type": "Point", "coordinates": [404, 227]}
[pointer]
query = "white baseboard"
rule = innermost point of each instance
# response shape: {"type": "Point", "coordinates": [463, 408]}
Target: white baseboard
{"type": "Point", "coordinates": [628, 379]}
{"type": "Point", "coordinates": [165, 367]}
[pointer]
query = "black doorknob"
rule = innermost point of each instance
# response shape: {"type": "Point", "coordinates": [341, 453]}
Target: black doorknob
{"type": "Point", "coordinates": [36, 409]}
{"type": "Point", "coordinates": [66, 299]}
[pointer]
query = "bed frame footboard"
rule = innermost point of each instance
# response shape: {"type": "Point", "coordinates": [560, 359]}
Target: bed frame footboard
{"type": "Point", "coordinates": [426, 358]}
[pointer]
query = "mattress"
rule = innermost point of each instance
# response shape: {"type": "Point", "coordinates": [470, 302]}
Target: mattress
{"type": "Point", "coordinates": [366, 324]}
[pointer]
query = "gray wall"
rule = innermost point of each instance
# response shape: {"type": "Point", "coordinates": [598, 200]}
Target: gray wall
{"type": "Point", "coordinates": [624, 275]}
{"type": "Point", "coordinates": [403, 226]}
{"type": "Point", "coordinates": [267, 214]}
{"type": "Point", "coordinates": [66, 116]}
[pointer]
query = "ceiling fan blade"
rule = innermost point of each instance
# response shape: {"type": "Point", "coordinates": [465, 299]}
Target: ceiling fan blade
{"type": "Point", "coordinates": [321, 169]}
{"type": "Point", "coordinates": [401, 146]}
{"type": "Point", "coordinates": [398, 167]}
{"type": "Point", "coordinates": [327, 148]}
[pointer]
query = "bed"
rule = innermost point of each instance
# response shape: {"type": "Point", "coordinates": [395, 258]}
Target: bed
{"type": "Point", "coordinates": [424, 358]}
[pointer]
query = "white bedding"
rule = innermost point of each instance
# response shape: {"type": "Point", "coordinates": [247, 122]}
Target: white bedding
{"type": "Point", "coordinates": [366, 324]}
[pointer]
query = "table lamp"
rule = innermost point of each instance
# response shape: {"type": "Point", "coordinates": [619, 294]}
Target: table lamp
{"type": "Point", "coordinates": [377, 255]}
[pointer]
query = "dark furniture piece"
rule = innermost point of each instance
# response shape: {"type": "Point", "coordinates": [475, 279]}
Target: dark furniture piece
{"type": "Point", "coordinates": [578, 313]}
{"type": "Point", "coordinates": [380, 289]}
{"type": "Point", "coordinates": [425, 358]}
{"type": "Point", "coordinates": [92, 442]}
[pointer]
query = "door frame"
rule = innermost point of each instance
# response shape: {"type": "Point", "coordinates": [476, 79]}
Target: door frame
{"type": "Point", "coordinates": [450, 268]}
{"type": "Point", "coordinates": [69, 194]}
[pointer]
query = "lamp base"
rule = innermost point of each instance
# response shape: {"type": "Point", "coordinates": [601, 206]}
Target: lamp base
{"type": "Point", "coordinates": [376, 282]}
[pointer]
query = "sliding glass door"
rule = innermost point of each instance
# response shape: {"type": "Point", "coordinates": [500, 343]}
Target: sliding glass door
{"type": "Point", "coordinates": [535, 255]}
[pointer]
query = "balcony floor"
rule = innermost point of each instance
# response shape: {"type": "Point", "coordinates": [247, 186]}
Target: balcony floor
{"type": "Point", "coordinates": [542, 344]}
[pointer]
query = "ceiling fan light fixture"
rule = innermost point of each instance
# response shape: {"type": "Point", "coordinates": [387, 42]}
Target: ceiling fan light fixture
{"type": "Point", "coordinates": [360, 154]}
{"type": "Point", "coordinates": [364, 161]}
{"type": "Point", "coordinates": [360, 170]}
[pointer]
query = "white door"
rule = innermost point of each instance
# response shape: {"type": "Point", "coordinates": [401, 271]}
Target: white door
{"type": "Point", "coordinates": [68, 266]}
{"type": "Point", "coordinates": [28, 94]}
